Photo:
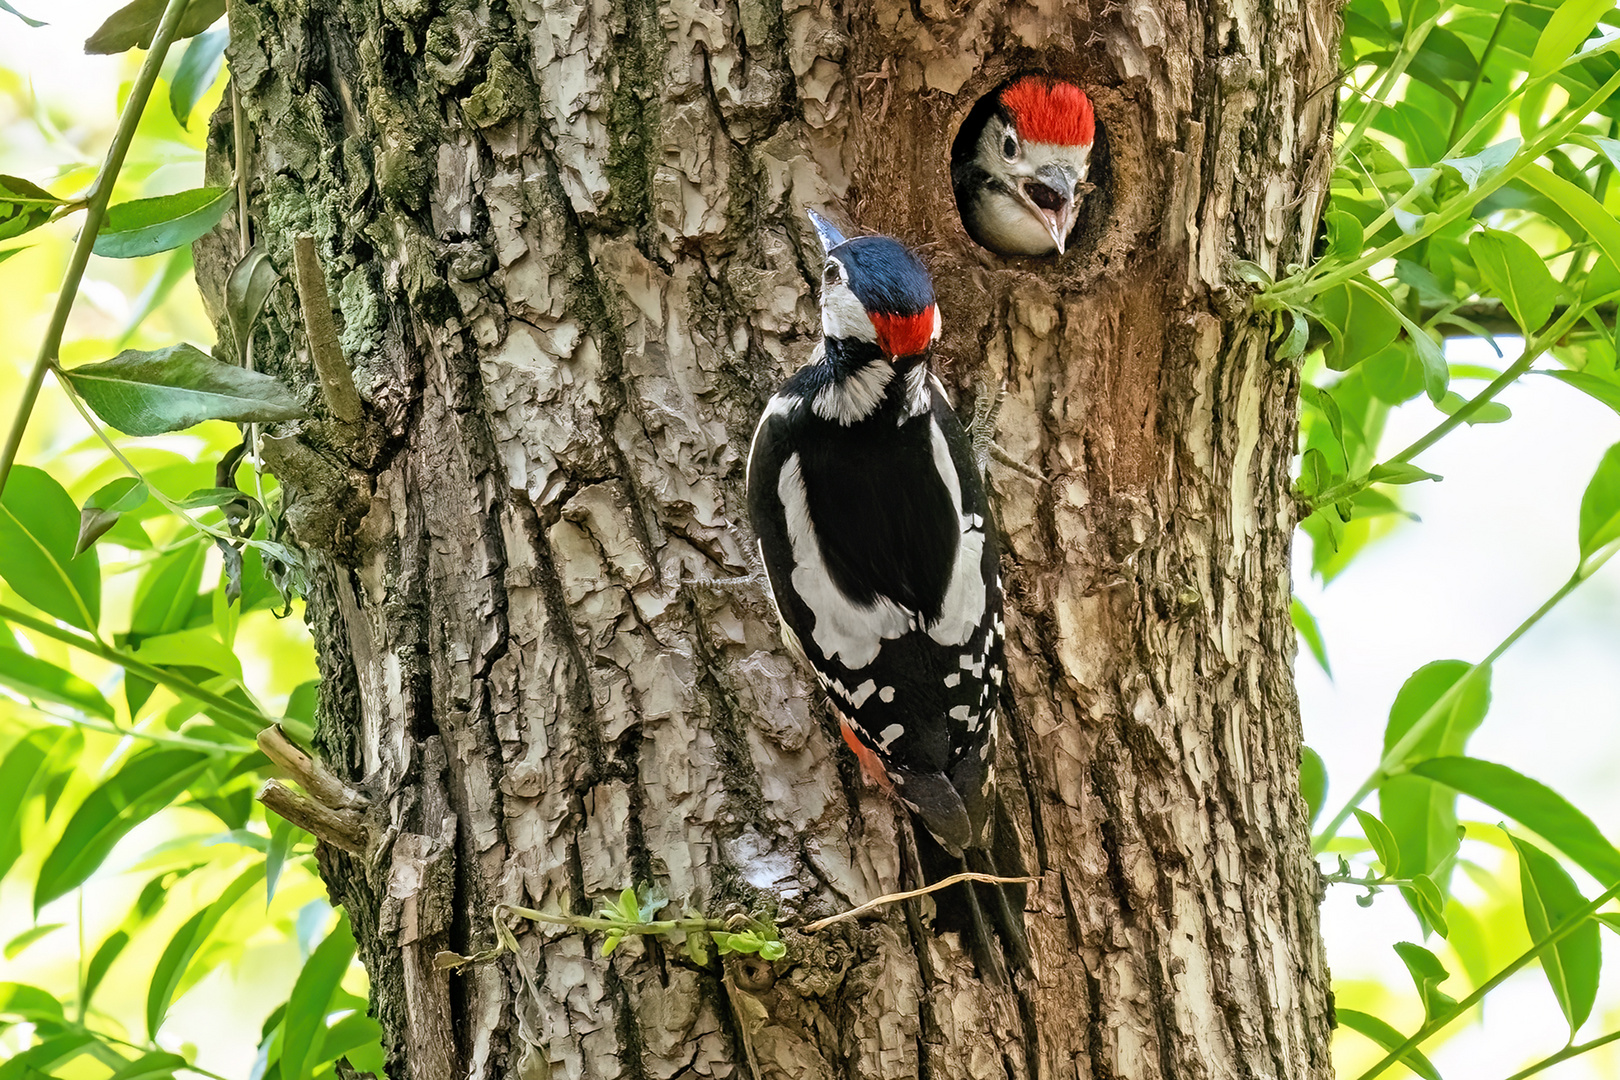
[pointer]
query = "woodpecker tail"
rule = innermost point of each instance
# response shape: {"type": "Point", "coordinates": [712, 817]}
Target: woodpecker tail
{"type": "Point", "coordinates": [981, 911]}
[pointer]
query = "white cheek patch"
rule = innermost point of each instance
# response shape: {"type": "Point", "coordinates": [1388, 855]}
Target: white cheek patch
{"type": "Point", "coordinates": [843, 629]}
{"type": "Point", "coordinates": [842, 315]}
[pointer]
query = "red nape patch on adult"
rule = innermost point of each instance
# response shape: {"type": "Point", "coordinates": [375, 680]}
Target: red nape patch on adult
{"type": "Point", "coordinates": [1050, 111]}
{"type": "Point", "coordinates": [905, 335]}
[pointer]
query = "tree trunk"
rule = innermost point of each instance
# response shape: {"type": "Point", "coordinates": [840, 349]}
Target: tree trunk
{"type": "Point", "coordinates": [567, 247]}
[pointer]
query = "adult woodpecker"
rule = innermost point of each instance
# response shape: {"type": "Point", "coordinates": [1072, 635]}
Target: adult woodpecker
{"type": "Point", "coordinates": [1019, 165]}
{"type": "Point", "coordinates": [875, 534]}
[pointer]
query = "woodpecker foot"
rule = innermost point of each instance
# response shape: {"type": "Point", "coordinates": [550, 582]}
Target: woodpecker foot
{"type": "Point", "coordinates": [730, 584]}
{"type": "Point", "coordinates": [999, 455]}
{"type": "Point", "coordinates": [982, 428]}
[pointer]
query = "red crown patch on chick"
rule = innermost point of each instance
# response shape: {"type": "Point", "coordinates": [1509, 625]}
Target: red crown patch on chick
{"type": "Point", "coordinates": [1047, 110]}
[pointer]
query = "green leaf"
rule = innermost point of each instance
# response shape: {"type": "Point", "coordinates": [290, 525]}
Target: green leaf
{"type": "Point", "coordinates": [1533, 805]}
{"type": "Point", "coordinates": [29, 1004]}
{"type": "Point", "coordinates": [167, 591]}
{"type": "Point", "coordinates": [38, 532]}
{"type": "Point", "coordinates": [309, 1001]}
{"type": "Point", "coordinates": [132, 26]}
{"type": "Point", "coordinates": [1313, 781]}
{"type": "Point", "coordinates": [1590, 214]}
{"type": "Point", "coordinates": [1427, 900]}
{"type": "Point", "coordinates": [102, 960]}
{"type": "Point", "coordinates": [1383, 843]}
{"type": "Point", "coordinates": [1310, 633]}
{"type": "Point", "coordinates": [357, 1037]}
{"type": "Point", "coordinates": [198, 69]}
{"type": "Point", "coordinates": [1593, 385]}
{"type": "Point", "coordinates": [177, 956]}
{"type": "Point", "coordinates": [1517, 275]}
{"type": "Point", "coordinates": [145, 784]}
{"type": "Point", "coordinates": [249, 286]}
{"type": "Point", "coordinates": [16, 945]}
{"type": "Point", "coordinates": [1600, 507]}
{"type": "Point", "coordinates": [1386, 1037]}
{"type": "Point", "coordinates": [1360, 323]}
{"type": "Point", "coordinates": [1345, 236]}
{"type": "Point", "coordinates": [282, 834]}
{"type": "Point", "coordinates": [163, 223]}
{"type": "Point", "coordinates": [102, 510]}
{"type": "Point", "coordinates": [1481, 167]}
{"type": "Point", "coordinates": [149, 393]}
{"type": "Point", "coordinates": [29, 766]}
{"type": "Point", "coordinates": [1568, 27]}
{"type": "Point", "coordinates": [1572, 964]}
{"type": "Point", "coordinates": [39, 1061]}
{"type": "Point", "coordinates": [1491, 412]}
{"type": "Point", "coordinates": [31, 22]}
{"type": "Point", "coordinates": [151, 1066]}
{"type": "Point", "coordinates": [1399, 472]}
{"type": "Point", "coordinates": [1436, 373]}
{"type": "Point", "coordinates": [1299, 335]}
{"type": "Point", "coordinates": [1420, 813]}
{"type": "Point", "coordinates": [24, 205]}
{"type": "Point", "coordinates": [1427, 973]}
{"type": "Point", "coordinates": [197, 647]}
{"type": "Point", "coordinates": [39, 680]}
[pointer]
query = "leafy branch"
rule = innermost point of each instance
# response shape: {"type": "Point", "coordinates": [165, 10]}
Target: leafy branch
{"type": "Point", "coordinates": [1444, 1017]}
{"type": "Point", "coordinates": [95, 214]}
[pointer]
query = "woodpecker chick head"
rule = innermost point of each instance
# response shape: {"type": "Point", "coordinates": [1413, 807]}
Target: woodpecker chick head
{"type": "Point", "coordinates": [874, 289]}
{"type": "Point", "coordinates": [1019, 165]}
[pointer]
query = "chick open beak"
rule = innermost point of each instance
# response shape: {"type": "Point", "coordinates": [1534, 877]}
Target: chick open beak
{"type": "Point", "coordinates": [1053, 197]}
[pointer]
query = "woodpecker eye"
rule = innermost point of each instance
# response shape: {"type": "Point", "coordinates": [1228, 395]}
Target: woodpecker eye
{"type": "Point", "coordinates": [831, 276]}
{"type": "Point", "coordinates": [1009, 145]}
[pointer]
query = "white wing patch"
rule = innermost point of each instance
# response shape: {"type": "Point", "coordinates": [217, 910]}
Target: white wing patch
{"type": "Point", "coordinates": [963, 608]}
{"type": "Point", "coordinates": [844, 629]}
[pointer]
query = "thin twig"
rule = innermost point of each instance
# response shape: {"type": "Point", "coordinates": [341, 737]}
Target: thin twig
{"type": "Point", "coordinates": [344, 829]}
{"type": "Point", "coordinates": [893, 898]}
{"type": "Point", "coordinates": [323, 785]}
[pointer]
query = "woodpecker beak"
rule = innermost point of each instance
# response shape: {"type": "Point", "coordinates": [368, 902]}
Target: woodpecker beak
{"type": "Point", "coordinates": [1052, 195]}
{"type": "Point", "coordinates": [826, 231]}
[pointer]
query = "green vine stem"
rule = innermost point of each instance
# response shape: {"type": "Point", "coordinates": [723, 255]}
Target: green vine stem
{"type": "Point", "coordinates": [1564, 1055]}
{"type": "Point", "coordinates": [1434, 1024]}
{"type": "Point", "coordinates": [179, 684]}
{"type": "Point", "coordinates": [1410, 47]}
{"type": "Point", "coordinates": [1533, 348]}
{"type": "Point", "coordinates": [95, 215]}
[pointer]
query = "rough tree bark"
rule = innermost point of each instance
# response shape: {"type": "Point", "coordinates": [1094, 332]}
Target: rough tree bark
{"type": "Point", "coordinates": [566, 243]}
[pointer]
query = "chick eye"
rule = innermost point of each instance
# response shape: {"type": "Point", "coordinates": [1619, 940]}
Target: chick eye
{"type": "Point", "coordinates": [1009, 146]}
